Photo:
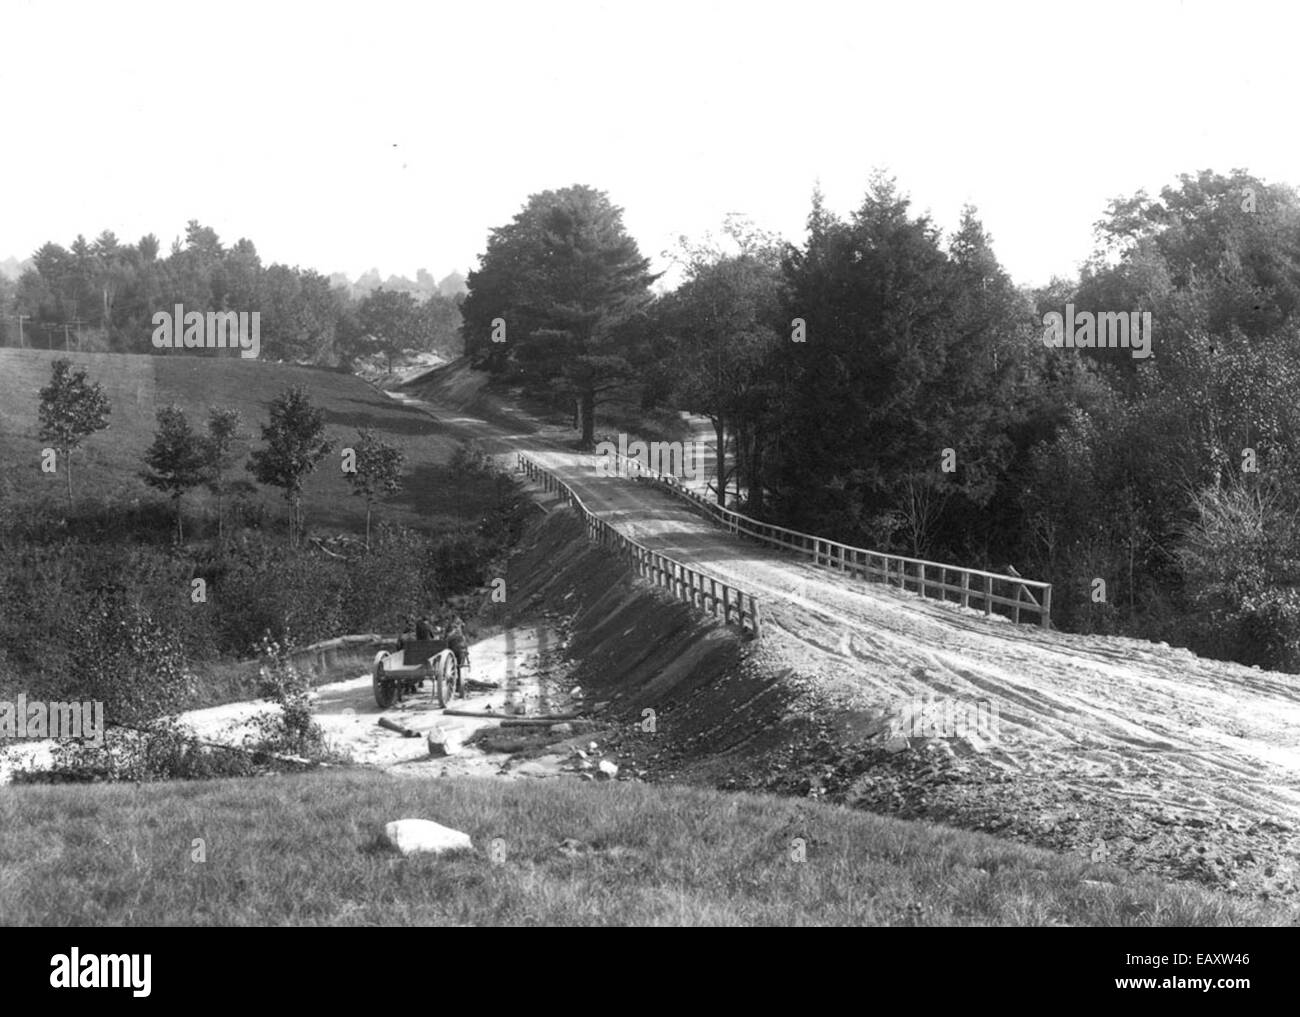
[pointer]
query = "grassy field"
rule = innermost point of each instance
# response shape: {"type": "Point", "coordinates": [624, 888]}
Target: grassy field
{"type": "Point", "coordinates": [107, 466]}
{"type": "Point", "coordinates": [306, 850]}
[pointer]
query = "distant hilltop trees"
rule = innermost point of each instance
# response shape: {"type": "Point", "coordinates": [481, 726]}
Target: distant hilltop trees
{"type": "Point", "coordinates": [103, 294]}
{"type": "Point", "coordinates": [452, 286]}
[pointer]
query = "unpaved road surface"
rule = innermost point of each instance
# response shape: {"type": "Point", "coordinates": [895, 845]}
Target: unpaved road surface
{"type": "Point", "coordinates": [1138, 717]}
{"type": "Point", "coordinates": [523, 663]}
{"type": "Point", "coordinates": [1122, 727]}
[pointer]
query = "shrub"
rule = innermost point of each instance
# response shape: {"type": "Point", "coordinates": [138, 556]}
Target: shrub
{"type": "Point", "coordinates": [292, 732]}
{"type": "Point", "coordinates": [1241, 574]}
{"type": "Point", "coordinates": [129, 662]}
{"type": "Point", "coordinates": [469, 459]}
{"type": "Point", "coordinates": [163, 750]}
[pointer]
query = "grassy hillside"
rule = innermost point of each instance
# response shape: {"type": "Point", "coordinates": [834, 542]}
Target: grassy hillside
{"type": "Point", "coordinates": [107, 465]}
{"type": "Point", "coordinates": [305, 850]}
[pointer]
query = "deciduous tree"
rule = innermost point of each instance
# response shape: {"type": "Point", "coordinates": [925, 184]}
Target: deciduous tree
{"type": "Point", "coordinates": [176, 459]}
{"type": "Point", "coordinates": [295, 445]}
{"type": "Point", "coordinates": [71, 410]}
{"type": "Point", "coordinates": [376, 470]}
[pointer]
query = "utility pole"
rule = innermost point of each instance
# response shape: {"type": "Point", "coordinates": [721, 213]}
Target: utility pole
{"type": "Point", "coordinates": [21, 319]}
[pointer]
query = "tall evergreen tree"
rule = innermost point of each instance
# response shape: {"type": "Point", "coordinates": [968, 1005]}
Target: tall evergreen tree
{"type": "Point", "coordinates": [898, 366]}
{"type": "Point", "coordinates": [564, 278]}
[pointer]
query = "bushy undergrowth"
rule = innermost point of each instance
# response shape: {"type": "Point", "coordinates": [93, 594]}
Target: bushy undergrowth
{"type": "Point", "coordinates": [161, 748]}
{"type": "Point", "coordinates": [292, 731]}
{"type": "Point", "coordinates": [100, 607]}
{"type": "Point", "coordinates": [1243, 576]}
{"type": "Point", "coordinates": [73, 614]}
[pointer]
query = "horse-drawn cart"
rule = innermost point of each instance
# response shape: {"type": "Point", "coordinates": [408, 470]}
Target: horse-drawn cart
{"type": "Point", "coordinates": [401, 672]}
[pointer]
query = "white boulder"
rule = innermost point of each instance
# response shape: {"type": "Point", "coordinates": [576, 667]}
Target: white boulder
{"type": "Point", "coordinates": [413, 835]}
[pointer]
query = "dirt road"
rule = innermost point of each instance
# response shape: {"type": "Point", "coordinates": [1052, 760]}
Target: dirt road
{"type": "Point", "coordinates": [1135, 725]}
{"type": "Point", "coordinates": [522, 662]}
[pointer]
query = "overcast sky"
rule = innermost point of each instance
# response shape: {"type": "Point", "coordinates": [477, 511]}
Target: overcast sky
{"type": "Point", "coordinates": [395, 135]}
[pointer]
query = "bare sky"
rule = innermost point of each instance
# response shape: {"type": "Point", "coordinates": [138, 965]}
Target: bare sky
{"type": "Point", "coordinates": [395, 135]}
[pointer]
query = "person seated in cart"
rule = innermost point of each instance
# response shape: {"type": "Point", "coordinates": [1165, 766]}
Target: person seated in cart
{"type": "Point", "coordinates": [424, 628]}
{"type": "Point", "coordinates": [407, 633]}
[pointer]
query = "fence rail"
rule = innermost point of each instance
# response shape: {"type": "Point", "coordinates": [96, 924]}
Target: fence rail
{"type": "Point", "coordinates": [919, 574]}
{"type": "Point", "coordinates": [704, 592]}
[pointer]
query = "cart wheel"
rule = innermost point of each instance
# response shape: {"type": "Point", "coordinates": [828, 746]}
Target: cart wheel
{"type": "Point", "coordinates": [385, 692]}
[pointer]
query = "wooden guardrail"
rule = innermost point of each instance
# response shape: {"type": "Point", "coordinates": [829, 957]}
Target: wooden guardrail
{"type": "Point", "coordinates": [867, 564]}
{"type": "Point", "coordinates": [700, 590]}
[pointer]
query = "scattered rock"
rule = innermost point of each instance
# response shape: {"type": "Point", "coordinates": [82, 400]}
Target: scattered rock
{"type": "Point", "coordinates": [445, 741]}
{"type": "Point", "coordinates": [563, 728]}
{"type": "Point", "coordinates": [608, 770]}
{"type": "Point", "coordinates": [410, 836]}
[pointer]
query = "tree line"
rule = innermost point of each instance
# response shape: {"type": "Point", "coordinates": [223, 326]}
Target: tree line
{"type": "Point", "coordinates": [889, 386]}
{"type": "Point", "coordinates": [103, 294]}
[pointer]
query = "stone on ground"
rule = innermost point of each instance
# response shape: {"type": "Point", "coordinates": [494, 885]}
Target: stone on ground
{"type": "Point", "coordinates": [445, 741]}
{"type": "Point", "coordinates": [414, 835]}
